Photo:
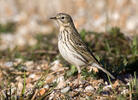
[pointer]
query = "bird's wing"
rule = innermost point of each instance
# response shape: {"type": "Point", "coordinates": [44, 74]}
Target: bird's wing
{"type": "Point", "coordinates": [83, 50]}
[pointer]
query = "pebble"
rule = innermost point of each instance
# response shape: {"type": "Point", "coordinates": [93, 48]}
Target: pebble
{"type": "Point", "coordinates": [89, 88]}
{"type": "Point", "coordinates": [8, 64]}
{"type": "Point", "coordinates": [29, 63]}
{"type": "Point", "coordinates": [107, 87]}
{"type": "Point", "coordinates": [65, 90]}
{"type": "Point", "coordinates": [46, 86]}
{"type": "Point", "coordinates": [125, 91]}
{"type": "Point", "coordinates": [56, 66]}
{"type": "Point", "coordinates": [18, 61]}
{"type": "Point", "coordinates": [51, 96]}
{"type": "Point", "coordinates": [61, 82]}
{"type": "Point", "coordinates": [32, 76]}
{"type": "Point", "coordinates": [20, 87]}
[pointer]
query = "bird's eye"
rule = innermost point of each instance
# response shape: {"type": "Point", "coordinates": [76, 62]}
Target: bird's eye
{"type": "Point", "coordinates": [62, 17]}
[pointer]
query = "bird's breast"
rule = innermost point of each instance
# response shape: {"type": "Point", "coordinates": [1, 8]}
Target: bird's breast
{"type": "Point", "coordinates": [67, 50]}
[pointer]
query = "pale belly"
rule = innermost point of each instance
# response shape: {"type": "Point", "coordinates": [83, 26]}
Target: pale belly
{"type": "Point", "coordinates": [69, 54]}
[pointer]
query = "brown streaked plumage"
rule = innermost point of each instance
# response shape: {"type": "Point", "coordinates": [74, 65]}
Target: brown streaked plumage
{"type": "Point", "coordinates": [71, 46]}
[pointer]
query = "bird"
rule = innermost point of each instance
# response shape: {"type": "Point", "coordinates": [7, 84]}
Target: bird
{"type": "Point", "coordinates": [71, 46]}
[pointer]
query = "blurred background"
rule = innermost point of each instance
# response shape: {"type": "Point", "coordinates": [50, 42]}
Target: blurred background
{"type": "Point", "coordinates": [30, 60]}
{"type": "Point", "coordinates": [20, 19]}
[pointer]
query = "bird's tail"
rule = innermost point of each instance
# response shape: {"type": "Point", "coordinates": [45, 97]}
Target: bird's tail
{"type": "Point", "coordinates": [104, 70]}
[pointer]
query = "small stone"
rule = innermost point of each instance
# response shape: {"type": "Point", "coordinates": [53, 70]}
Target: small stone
{"type": "Point", "coordinates": [46, 86]}
{"type": "Point", "coordinates": [32, 76]}
{"type": "Point", "coordinates": [89, 88]}
{"type": "Point", "coordinates": [17, 61]}
{"type": "Point", "coordinates": [29, 63]}
{"type": "Point", "coordinates": [125, 91]}
{"type": "Point", "coordinates": [50, 79]}
{"type": "Point", "coordinates": [20, 87]}
{"type": "Point", "coordinates": [52, 95]}
{"type": "Point", "coordinates": [8, 64]}
{"type": "Point", "coordinates": [61, 82]}
{"type": "Point", "coordinates": [106, 82]}
{"type": "Point", "coordinates": [65, 90]}
{"type": "Point", "coordinates": [107, 87]}
{"type": "Point", "coordinates": [56, 66]}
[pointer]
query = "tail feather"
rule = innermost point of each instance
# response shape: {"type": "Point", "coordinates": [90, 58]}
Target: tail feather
{"type": "Point", "coordinates": [104, 70]}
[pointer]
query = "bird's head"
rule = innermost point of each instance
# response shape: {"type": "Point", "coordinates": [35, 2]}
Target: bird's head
{"type": "Point", "coordinates": [63, 19]}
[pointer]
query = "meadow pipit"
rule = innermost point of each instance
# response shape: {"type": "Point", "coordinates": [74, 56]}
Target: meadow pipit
{"type": "Point", "coordinates": [71, 46]}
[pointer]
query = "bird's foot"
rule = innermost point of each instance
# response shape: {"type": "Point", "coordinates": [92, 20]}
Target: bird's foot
{"type": "Point", "coordinates": [77, 82]}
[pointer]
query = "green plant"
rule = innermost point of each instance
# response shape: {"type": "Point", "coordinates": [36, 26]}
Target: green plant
{"type": "Point", "coordinates": [8, 27]}
{"type": "Point", "coordinates": [83, 34]}
{"type": "Point", "coordinates": [134, 46]}
{"type": "Point", "coordinates": [24, 84]}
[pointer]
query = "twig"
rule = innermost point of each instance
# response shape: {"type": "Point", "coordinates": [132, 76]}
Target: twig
{"type": "Point", "coordinates": [36, 91]}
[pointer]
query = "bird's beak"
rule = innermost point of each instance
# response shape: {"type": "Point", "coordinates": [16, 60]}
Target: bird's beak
{"type": "Point", "coordinates": [53, 17]}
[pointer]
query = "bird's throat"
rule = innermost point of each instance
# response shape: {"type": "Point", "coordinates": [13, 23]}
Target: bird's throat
{"type": "Point", "coordinates": [62, 28]}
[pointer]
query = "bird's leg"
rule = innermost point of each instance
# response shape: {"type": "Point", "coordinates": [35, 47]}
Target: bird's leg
{"type": "Point", "coordinates": [79, 78]}
{"type": "Point", "coordinates": [79, 75]}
